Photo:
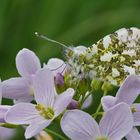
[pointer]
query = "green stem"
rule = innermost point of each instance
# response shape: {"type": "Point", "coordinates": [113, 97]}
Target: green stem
{"type": "Point", "coordinates": [8, 125]}
{"type": "Point", "coordinates": [97, 114]}
{"type": "Point", "coordinates": [99, 107]}
{"type": "Point", "coordinates": [56, 134]}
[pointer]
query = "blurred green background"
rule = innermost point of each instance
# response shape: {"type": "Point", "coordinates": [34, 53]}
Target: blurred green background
{"type": "Point", "coordinates": [73, 22]}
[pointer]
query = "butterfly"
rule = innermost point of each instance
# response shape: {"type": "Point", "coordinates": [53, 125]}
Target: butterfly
{"type": "Point", "coordinates": [111, 59]}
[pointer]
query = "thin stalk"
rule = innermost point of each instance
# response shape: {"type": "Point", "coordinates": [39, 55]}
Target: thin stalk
{"type": "Point", "coordinates": [97, 114]}
{"type": "Point", "coordinates": [56, 134]}
{"type": "Point", "coordinates": [99, 107]}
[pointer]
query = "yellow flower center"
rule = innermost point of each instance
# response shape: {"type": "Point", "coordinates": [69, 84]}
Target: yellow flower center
{"type": "Point", "coordinates": [133, 109]}
{"type": "Point", "coordinates": [31, 91]}
{"type": "Point", "coordinates": [47, 113]}
{"type": "Point", "coordinates": [101, 138]}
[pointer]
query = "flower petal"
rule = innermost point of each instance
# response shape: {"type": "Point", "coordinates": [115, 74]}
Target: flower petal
{"type": "Point", "coordinates": [59, 79]}
{"type": "Point", "coordinates": [136, 114]}
{"type": "Point", "coordinates": [3, 111]}
{"type": "Point", "coordinates": [35, 128]}
{"type": "Point", "coordinates": [17, 88]}
{"type": "Point", "coordinates": [133, 134]}
{"type": "Point", "coordinates": [129, 91]}
{"type": "Point", "coordinates": [44, 87]}
{"type": "Point", "coordinates": [22, 113]}
{"type": "Point", "coordinates": [56, 65]}
{"type": "Point", "coordinates": [27, 62]}
{"type": "Point", "coordinates": [6, 133]}
{"type": "Point", "coordinates": [87, 102]}
{"type": "Point", "coordinates": [117, 122]}
{"type": "Point", "coordinates": [108, 102]}
{"type": "Point", "coordinates": [0, 91]}
{"type": "Point", "coordinates": [78, 125]}
{"type": "Point", "coordinates": [63, 100]}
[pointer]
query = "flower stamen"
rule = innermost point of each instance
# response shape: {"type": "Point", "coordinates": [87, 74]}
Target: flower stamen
{"type": "Point", "coordinates": [46, 112]}
{"type": "Point", "coordinates": [102, 138]}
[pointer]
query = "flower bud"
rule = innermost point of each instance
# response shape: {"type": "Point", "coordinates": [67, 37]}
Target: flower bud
{"type": "Point", "coordinates": [96, 84]}
{"type": "Point", "coordinates": [44, 136]}
{"type": "Point", "coordinates": [73, 104]}
{"type": "Point", "coordinates": [59, 79]}
{"type": "Point", "coordinates": [107, 86]}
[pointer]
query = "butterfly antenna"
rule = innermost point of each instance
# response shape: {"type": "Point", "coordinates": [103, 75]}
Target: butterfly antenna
{"type": "Point", "coordinates": [51, 40]}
